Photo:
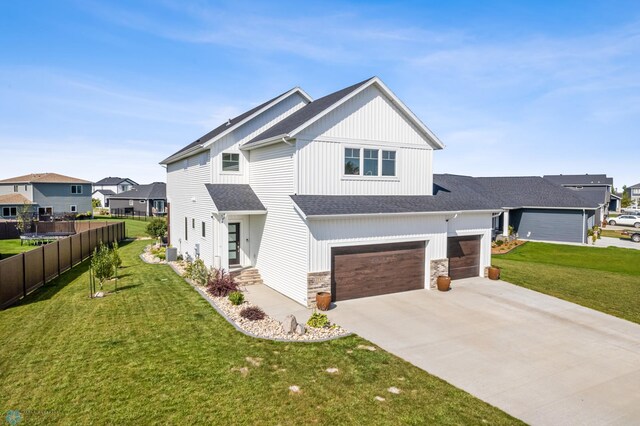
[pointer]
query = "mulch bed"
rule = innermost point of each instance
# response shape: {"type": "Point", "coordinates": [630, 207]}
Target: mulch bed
{"type": "Point", "coordinates": [507, 247]}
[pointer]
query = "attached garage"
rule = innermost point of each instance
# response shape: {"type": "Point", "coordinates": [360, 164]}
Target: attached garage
{"type": "Point", "coordinates": [464, 256]}
{"type": "Point", "coordinates": [372, 270]}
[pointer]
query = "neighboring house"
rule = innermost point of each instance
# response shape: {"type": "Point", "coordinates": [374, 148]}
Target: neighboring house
{"type": "Point", "coordinates": [143, 200]}
{"type": "Point", "coordinates": [593, 188]}
{"type": "Point", "coordinates": [634, 193]}
{"type": "Point", "coordinates": [12, 204]}
{"type": "Point", "coordinates": [539, 209]}
{"type": "Point", "coordinates": [108, 186]}
{"type": "Point", "coordinates": [52, 194]}
{"type": "Point", "coordinates": [336, 194]}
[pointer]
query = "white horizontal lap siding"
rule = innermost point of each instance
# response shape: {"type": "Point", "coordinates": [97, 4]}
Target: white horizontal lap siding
{"type": "Point", "coordinates": [367, 120]}
{"type": "Point", "coordinates": [321, 165]}
{"type": "Point", "coordinates": [474, 224]}
{"type": "Point", "coordinates": [246, 132]}
{"type": "Point", "coordinates": [329, 233]}
{"type": "Point", "coordinates": [184, 185]}
{"type": "Point", "coordinates": [283, 244]}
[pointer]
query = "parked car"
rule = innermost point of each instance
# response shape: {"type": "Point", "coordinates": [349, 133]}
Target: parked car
{"type": "Point", "coordinates": [635, 235]}
{"type": "Point", "coordinates": [626, 219]}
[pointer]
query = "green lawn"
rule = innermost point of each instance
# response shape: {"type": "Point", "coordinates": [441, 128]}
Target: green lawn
{"type": "Point", "coordinates": [156, 352]}
{"type": "Point", "coordinates": [135, 228]}
{"type": "Point", "coordinates": [606, 279]}
{"type": "Point", "coordinates": [12, 247]}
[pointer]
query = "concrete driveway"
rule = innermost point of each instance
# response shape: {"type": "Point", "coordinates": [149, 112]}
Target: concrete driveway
{"type": "Point", "coordinates": [541, 359]}
{"type": "Point", "coordinates": [617, 242]}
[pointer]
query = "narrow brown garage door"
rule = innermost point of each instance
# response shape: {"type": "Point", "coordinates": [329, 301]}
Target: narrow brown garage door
{"type": "Point", "coordinates": [362, 271]}
{"type": "Point", "coordinates": [464, 256]}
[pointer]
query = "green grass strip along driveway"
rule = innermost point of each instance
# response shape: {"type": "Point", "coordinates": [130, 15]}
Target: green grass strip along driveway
{"type": "Point", "coordinates": [606, 279]}
{"type": "Point", "coordinates": [156, 352]}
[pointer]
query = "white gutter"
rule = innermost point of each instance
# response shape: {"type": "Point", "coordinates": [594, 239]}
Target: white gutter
{"type": "Point", "coordinates": [265, 142]}
{"type": "Point", "coordinates": [185, 154]}
{"type": "Point", "coordinates": [354, 215]}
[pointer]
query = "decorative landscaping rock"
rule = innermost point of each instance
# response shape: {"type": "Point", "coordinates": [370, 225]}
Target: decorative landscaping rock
{"type": "Point", "coordinates": [379, 398]}
{"type": "Point", "coordinates": [300, 329]}
{"type": "Point", "coordinates": [99, 294]}
{"type": "Point", "coordinates": [256, 362]}
{"type": "Point", "coordinates": [148, 257]}
{"type": "Point", "coordinates": [366, 348]}
{"type": "Point", "coordinates": [332, 370]}
{"type": "Point", "coordinates": [294, 389]}
{"type": "Point", "coordinates": [289, 325]}
{"type": "Point", "coordinates": [394, 390]}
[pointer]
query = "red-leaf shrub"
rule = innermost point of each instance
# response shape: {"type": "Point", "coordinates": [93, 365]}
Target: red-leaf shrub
{"type": "Point", "coordinates": [252, 313]}
{"type": "Point", "coordinates": [220, 283]}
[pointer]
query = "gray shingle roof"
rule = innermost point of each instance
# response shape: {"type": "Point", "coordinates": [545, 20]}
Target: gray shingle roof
{"type": "Point", "coordinates": [223, 127]}
{"type": "Point", "coordinates": [105, 191]}
{"type": "Point", "coordinates": [234, 197]}
{"type": "Point", "coordinates": [597, 195]}
{"type": "Point", "coordinates": [152, 191]}
{"type": "Point", "coordinates": [579, 179]}
{"type": "Point", "coordinates": [637, 185]}
{"type": "Point", "coordinates": [112, 181]}
{"type": "Point", "coordinates": [305, 114]}
{"type": "Point", "coordinates": [531, 191]}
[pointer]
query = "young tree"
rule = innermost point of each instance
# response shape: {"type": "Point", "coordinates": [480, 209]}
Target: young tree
{"type": "Point", "coordinates": [102, 263]}
{"type": "Point", "coordinates": [626, 198]}
{"type": "Point", "coordinates": [96, 203]}
{"type": "Point", "coordinates": [25, 218]}
{"type": "Point", "coordinates": [157, 227]}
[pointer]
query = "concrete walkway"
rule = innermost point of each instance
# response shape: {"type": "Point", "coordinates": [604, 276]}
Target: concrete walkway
{"type": "Point", "coordinates": [541, 359]}
{"type": "Point", "coordinates": [617, 242]}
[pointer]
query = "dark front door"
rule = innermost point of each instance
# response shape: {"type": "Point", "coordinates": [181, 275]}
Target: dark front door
{"type": "Point", "coordinates": [234, 244]}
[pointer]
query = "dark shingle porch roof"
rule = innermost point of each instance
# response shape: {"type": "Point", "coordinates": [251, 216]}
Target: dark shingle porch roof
{"type": "Point", "coordinates": [234, 198]}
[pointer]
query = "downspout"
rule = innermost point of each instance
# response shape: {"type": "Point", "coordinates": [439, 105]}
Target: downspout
{"type": "Point", "coordinates": [584, 224]}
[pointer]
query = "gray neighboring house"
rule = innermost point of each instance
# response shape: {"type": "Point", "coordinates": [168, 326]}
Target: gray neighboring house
{"type": "Point", "coordinates": [593, 188]}
{"type": "Point", "coordinates": [634, 194]}
{"type": "Point", "coordinates": [106, 187]}
{"type": "Point", "coordinates": [535, 207]}
{"type": "Point", "coordinates": [50, 194]}
{"type": "Point", "coordinates": [12, 204]}
{"type": "Point", "coordinates": [143, 200]}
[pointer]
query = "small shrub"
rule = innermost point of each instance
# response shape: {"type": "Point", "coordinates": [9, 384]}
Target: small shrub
{"type": "Point", "coordinates": [236, 298]}
{"type": "Point", "coordinates": [318, 320]}
{"type": "Point", "coordinates": [499, 243]}
{"type": "Point", "coordinates": [197, 272]}
{"type": "Point", "coordinates": [220, 283]}
{"type": "Point", "coordinates": [115, 254]}
{"type": "Point", "coordinates": [157, 227]}
{"type": "Point", "coordinates": [252, 313]}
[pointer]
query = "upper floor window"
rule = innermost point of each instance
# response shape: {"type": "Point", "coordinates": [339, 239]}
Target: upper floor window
{"type": "Point", "coordinates": [635, 191]}
{"type": "Point", "coordinates": [375, 162]}
{"type": "Point", "coordinates": [76, 189]}
{"type": "Point", "coordinates": [9, 211]}
{"type": "Point", "coordinates": [230, 162]}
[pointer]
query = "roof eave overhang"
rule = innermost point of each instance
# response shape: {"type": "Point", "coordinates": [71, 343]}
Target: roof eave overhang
{"type": "Point", "coordinates": [266, 142]}
{"type": "Point", "coordinates": [183, 155]}
{"type": "Point", "coordinates": [429, 213]}
{"type": "Point", "coordinates": [551, 208]}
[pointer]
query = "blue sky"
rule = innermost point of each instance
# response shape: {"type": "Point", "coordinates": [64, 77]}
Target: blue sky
{"type": "Point", "coordinates": [97, 88]}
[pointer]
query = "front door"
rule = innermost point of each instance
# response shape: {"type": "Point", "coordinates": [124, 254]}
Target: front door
{"type": "Point", "coordinates": [234, 243]}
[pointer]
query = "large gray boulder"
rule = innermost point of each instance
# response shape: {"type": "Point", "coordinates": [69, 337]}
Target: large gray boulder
{"type": "Point", "coordinates": [289, 324]}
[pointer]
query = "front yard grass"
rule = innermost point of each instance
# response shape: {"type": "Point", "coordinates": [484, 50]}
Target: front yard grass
{"type": "Point", "coordinates": [157, 353]}
{"type": "Point", "coordinates": [605, 279]}
{"type": "Point", "coordinates": [12, 247]}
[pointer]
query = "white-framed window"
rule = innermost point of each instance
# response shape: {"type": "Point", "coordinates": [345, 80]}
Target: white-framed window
{"type": "Point", "coordinates": [193, 223]}
{"type": "Point", "coordinates": [369, 162]}
{"type": "Point", "coordinates": [15, 188]}
{"type": "Point", "coordinates": [76, 189]}
{"type": "Point", "coordinates": [9, 211]}
{"type": "Point", "coordinates": [73, 208]}
{"type": "Point", "coordinates": [230, 162]}
{"type": "Point", "coordinates": [186, 229]}
{"type": "Point", "coordinates": [204, 233]}
{"type": "Point", "coordinates": [130, 202]}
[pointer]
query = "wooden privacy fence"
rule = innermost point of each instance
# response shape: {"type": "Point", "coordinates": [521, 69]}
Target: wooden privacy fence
{"type": "Point", "coordinates": [26, 272]}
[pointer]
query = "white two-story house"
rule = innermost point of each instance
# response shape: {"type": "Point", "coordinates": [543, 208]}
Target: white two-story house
{"type": "Point", "coordinates": [335, 194]}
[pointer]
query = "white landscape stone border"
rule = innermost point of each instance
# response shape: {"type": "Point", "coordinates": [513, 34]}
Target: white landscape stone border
{"type": "Point", "coordinates": [267, 328]}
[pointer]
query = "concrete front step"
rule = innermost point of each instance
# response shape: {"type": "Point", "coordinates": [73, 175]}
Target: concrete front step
{"type": "Point", "coordinates": [248, 276]}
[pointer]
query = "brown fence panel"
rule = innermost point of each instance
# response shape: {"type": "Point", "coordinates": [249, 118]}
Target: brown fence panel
{"type": "Point", "coordinates": [86, 248]}
{"type": "Point", "coordinates": [34, 269]}
{"type": "Point", "coordinates": [50, 261]}
{"type": "Point", "coordinates": [11, 275]}
{"type": "Point", "coordinates": [65, 254]}
{"type": "Point", "coordinates": [76, 253]}
{"type": "Point", "coordinates": [8, 230]}
{"type": "Point", "coordinates": [104, 231]}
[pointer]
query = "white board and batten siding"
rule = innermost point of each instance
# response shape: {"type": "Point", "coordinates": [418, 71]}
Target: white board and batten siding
{"type": "Point", "coordinates": [231, 142]}
{"type": "Point", "coordinates": [281, 234]}
{"type": "Point", "coordinates": [326, 234]}
{"type": "Point", "coordinates": [474, 224]}
{"type": "Point", "coordinates": [369, 120]}
{"type": "Point", "coordinates": [188, 197]}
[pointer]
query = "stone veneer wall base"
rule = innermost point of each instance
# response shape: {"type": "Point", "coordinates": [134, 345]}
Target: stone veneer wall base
{"type": "Point", "coordinates": [317, 282]}
{"type": "Point", "coordinates": [439, 267]}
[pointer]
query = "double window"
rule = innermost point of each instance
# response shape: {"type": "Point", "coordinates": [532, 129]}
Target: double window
{"type": "Point", "coordinates": [369, 162]}
{"type": "Point", "coordinates": [76, 189]}
{"type": "Point", "coordinates": [9, 211]}
{"type": "Point", "coordinates": [230, 162]}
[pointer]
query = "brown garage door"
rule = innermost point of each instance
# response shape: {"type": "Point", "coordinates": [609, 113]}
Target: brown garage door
{"type": "Point", "coordinates": [362, 271]}
{"type": "Point", "coordinates": [464, 256]}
